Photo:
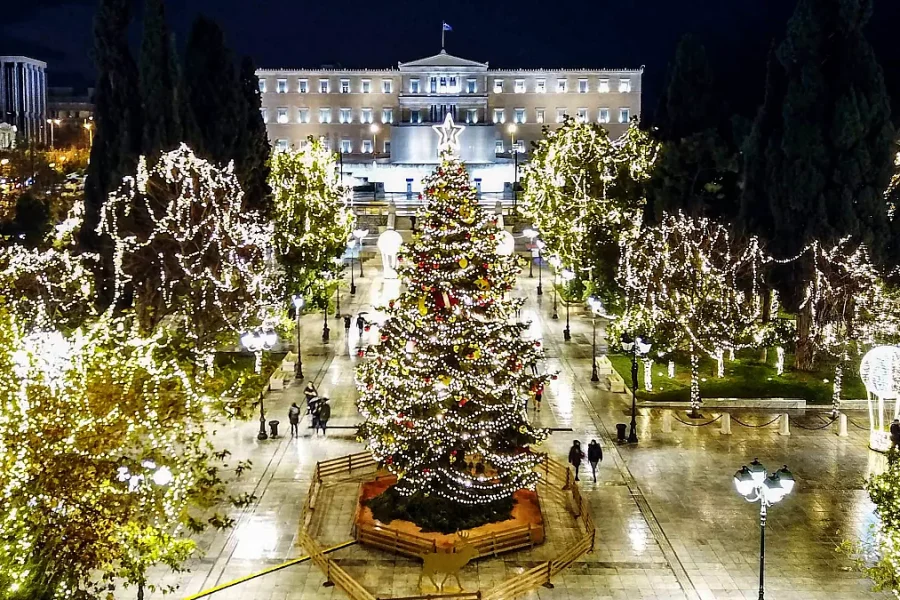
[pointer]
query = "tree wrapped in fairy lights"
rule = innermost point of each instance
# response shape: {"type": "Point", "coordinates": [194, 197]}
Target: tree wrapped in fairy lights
{"type": "Point", "coordinates": [444, 394]}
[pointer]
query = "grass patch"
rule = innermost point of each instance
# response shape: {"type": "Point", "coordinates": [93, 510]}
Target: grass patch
{"type": "Point", "coordinates": [433, 513]}
{"type": "Point", "coordinates": [745, 377]}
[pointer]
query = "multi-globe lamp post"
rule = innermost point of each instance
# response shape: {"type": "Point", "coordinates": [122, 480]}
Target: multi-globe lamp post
{"type": "Point", "coordinates": [257, 341]}
{"type": "Point", "coordinates": [567, 275]}
{"type": "Point", "coordinates": [755, 486]}
{"type": "Point", "coordinates": [514, 150]}
{"type": "Point", "coordinates": [298, 306]}
{"type": "Point", "coordinates": [636, 347]}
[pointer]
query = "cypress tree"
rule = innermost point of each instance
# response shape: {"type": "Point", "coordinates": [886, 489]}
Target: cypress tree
{"type": "Point", "coordinates": [158, 83]}
{"type": "Point", "coordinates": [252, 151]}
{"type": "Point", "coordinates": [689, 103]}
{"type": "Point", "coordinates": [212, 93]}
{"type": "Point", "coordinates": [116, 114]}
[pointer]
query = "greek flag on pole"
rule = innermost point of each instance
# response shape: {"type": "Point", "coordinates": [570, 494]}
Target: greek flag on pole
{"type": "Point", "coordinates": [447, 27]}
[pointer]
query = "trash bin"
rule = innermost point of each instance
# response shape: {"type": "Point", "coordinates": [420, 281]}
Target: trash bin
{"type": "Point", "coordinates": [273, 429]}
{"type": "Point", "coordinates": [620, 431]}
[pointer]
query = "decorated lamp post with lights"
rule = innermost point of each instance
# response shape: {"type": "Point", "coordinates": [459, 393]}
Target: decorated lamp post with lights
{"type": "Point", "coordinates": [880, 372]}
{"type": "Point", "coordinates": [298, 306]}
{"type": "Point", "coordinates": [257, 341]}
{"type": "Point", "coordinates": [567, 275]}
{"type": "Point", "coordinates": [360, 235]}
{"type": "Point", "coordinates": [755, 486]}
{"type": "Point", "coordinates": [514, 150]}
{"type": "Point", "coordinates": [636, 347]}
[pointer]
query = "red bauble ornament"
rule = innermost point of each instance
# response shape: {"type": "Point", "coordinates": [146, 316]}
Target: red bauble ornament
{"type": "Point", "coordinates": [434, 265]}
{"type": "Point", "coordinates": [554, 377]}
{"type": "Point", "coordinates": [400, 415]}
{"type": "Point", "coordinates": [484, 266]}
{"type": "Point", "coordinates": [421, 265]}
{"type": "Point", "coordinates": [420, 196]}
{"type": "Point", "coordinates": [389, 460]}
{"type": "Point", "coordinates": [427, 380]}
{"type": "Point", "coordinates": [462, 401]}
{"type": "Point", "coordinates": [384, 338]}
{"type": "Point", "coordinates": [360, 353]}
{"type": "Point", "coordinates": [537, 344]}
{"type": "Point", "coordinates": [491, 236]}
{"type": "Point", "coordinates": [368, 327]}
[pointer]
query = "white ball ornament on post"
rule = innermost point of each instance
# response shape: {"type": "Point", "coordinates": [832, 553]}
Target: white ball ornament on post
{"type": "Point", "coordinates": [389, 244]}
{"type": "Point", "coordinates": [880, 372]}
{"type": "Point", "coordinates": [506, 244]}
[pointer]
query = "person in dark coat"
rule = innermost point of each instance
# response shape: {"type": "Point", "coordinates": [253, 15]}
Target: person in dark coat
{"type": "Point", "coordinates": [895, 433]}
{"type": "Point", "coordinates": [294, 418]}
{"type": "Point", "coordinates": [323, 413]}
{"type": "Point", "coordinates": [360, 324]}
{"type": "Point", "coordinates": [576, 455]}
{"type": "Point", "coordinates": [595, 455]}
{"type": "Point", "coordinates": [310, 392]}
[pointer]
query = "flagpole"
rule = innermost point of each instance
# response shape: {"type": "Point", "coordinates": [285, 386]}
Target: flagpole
{"type": "Point", "coordinates": [443, 32]}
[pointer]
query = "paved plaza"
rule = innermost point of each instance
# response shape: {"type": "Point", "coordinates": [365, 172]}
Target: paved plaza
{"type": "Point", "coordinates": [669, 523]}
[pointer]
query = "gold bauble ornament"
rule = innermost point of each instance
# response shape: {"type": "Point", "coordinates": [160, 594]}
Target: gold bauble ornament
{"type": "Point", "coordinates": [463, 262]}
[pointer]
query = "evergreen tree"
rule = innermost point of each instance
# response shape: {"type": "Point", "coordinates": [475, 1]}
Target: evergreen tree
{"type": "Point", "coordinates": [252, 151]}
{"type": "Point", "coordinates": [445, 394]}
{"type": "Point", "coordinates": [697, 170]}
{"type": "Point", "coordinates": [117, 132]}
{"type": "Point", "coordinates": [158, 84]}
{"type": "Point", "coordinates": [212, 94]}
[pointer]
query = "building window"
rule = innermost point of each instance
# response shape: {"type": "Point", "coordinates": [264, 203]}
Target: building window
{"type": "Point", "coordinates": [471, 86]}
{"type": "Point", "coordinates": [581, 115]}
{"type": "Point", "coordinates": [560, 115]}
{"type": "Point", "coordinates": [366, 86]}
{"type": "Point", "coordinates": [603, 86]}
{"type": "Point", "coordinates": [561, 86]}
{"type": "Point", "coordinates": [624, 115]}
{"type": "Point", "coordinates": [345, 86]}
{"type": "Point", "coordinates": [471, 115]}
{"type": "Point", "coordinates": [365, 115]}
{"type": "Point", "coordinates": [323, 86]}
{"type": "Point", "coordinates": [326, 142]}
{"type": "Point", "coordinates": [303, 144]}
{"type": "Point", "coordinates": [324, 115]}
{"type": "Point", "coordinates": [282, 86]}
{"type": "Point", "coordinates": [367, 146]}
{"type": "Point", "coordinates": [281, 144]}
{"type": "Point", "coordinates": [415, 116]}
{"type": "Point", "coordinates": [264, 114]}
{"type": "Point", "coordinates": [433, 81]}
{"type": "Point", "coordinates": [520, 86]}
{"type": "Point", "coordinates": [453, 87]}
{"type": "Point", "coordinates": [604, 116]}
{"type": "Point", "coordinates": [262, 86]}
{"type": "Point", "coordinates": [387, 115]}
{"type": "Point", "coordinates": [443, 84]}
{"type": "Point", "coordinates": [624, 86]}
{"type": "Point", "coordinates": [282, 114]}
{"type": "Point", "coordinates": [345, 116]}
{"type": "Point", "coordinates": [413, 86]}
{"type": "Point", "coordinates": [539, 115]}
{"type": "Point", "coordinates": [303, 86]}
{"type": "Point", "coordinates": [386, 86]}
{"type": "Point", "coordinates": [582, 86]}
{"type": "Point", "coordinates": [498, 86]}
{"type": "Point", "coordinates": [498, 146]}
{"type": "Point", "coordinates": [540, 86]}
{"type": "Point", "coordinates": [498, 116]}
{"type": "Point", "coordinates": [520, 146]}
{"type": "Point", "coordinates": [303, 115]}
{"type": "Point", "coordinates": [519, 115]}
{"type": "Point", "coordinates": [346, 146]}
{"type": "Point", "coordinates": [387, 146]}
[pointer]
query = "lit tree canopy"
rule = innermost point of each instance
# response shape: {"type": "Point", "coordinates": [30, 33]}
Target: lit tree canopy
{"type": "Point", "coordinates": [312, 221]}
{"type": "Point", "coordinates": [104, 463]}
{"type": "Point", "coordinates": [585, 193]}
{"type": "Point", "coordinates": [687, 282]}
{"type": "Point", "coordinates": [187, 250]}
{"type": "Point", "coordinates": [443, 396]}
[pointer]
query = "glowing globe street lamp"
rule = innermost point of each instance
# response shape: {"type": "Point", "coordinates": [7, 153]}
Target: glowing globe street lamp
{"type": "Point", "coordinates": [257, 341]}
{"type": "Point", "coordinates": [753, 484]}
{"type": "Point", "coordinates": [351, 244]}
{"type": "Point", "coordinates": [298, 306]}
{"type": "Point", "coordinates": [567, 275]}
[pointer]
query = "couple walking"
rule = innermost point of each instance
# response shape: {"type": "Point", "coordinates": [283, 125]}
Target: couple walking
{"type": "Point", "coordinates": [594, 456]}
{"type": "Point", "coordinates": [316, 406]}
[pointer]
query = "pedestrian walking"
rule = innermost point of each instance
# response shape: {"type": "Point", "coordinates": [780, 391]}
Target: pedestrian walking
{"type": "Point", "coordinates": [347, 319]}
{"type": "Point", "coordinates": [595, 455]}
{"type": "Point", "coordinates": [310, 392]}
{"type": "Point", "coordinates": [534, 369]}
{"type": "Point", "coordinates": [294, 418]}
{"type": "Point", "coordinates": [538, 396]}
{"type": "Point", "coordinates": [575, 457]}
{"type": "Point", "coordinates": [323, 413]}
{"type": "Point", "coordinates": [895, 433]}
{"type": "Point", "coordinates": [360, 324]}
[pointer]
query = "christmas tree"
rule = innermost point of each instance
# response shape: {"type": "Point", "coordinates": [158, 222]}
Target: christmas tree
{"type": "Point", "coordinates": [444, 394]}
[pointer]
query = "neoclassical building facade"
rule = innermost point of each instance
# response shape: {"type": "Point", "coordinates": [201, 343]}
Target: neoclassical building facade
{"type": "Point", "coordinates": [380, 120]}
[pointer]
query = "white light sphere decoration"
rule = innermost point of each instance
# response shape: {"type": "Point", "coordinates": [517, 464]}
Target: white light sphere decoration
{"type": "Point", "coordinates": [880, 371]}
{"type": "Point", "coordinates": [389, 244]}
{"type": "Point", "coordinates": [505, 243]}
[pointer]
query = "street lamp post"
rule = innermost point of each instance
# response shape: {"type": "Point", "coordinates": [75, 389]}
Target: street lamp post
{"type": "Point", "coordinates": [325, 331]}
{"type": "Point", "coordinates": [339, 263]}
{"type": "Point", "coordinates": [530, 234]}
{"type": "Point", "coordinates": [298, 306]}
{"type": "Point", "coordinates": [596, 311]}
{"type": "Point", "coordinates": [53, 123]}
{"type": "Point", "coordinates": [753, 484]}
{"type": "Point", "coordinates": [555, 263]}
{"type": "Point", "coordinates": [540, 249]}
{"type": "Point", "coordinates": [511, 128]}
{"type": "Point", "coordinates": [351, 244]}
{"type": "Point", "coordinates": [635, 347]}
{"type": "Point", "coordinates": [567, 276]}
{"type": "Point", "coordinates": [90, 128]}
{"type": "Point", "coordinates": [360, 235]}
{"type": "Point", "coordinates": [256, 342]}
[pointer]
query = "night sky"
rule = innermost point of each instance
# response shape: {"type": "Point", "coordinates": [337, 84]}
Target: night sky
{"type": "Point", "coordinates": [523, 33]}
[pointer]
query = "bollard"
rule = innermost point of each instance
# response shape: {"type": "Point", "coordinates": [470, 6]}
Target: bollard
{"type": "Point", "coordinates": [667, 421]}
{"type": "Point", "coordinates": [273, 429]}
{"type": "Point", "coordinates": [842, 425]}
{"type": "Point", "coordinates": [726, 424]}
{"type": "Point", "coordinates": [784, 426]}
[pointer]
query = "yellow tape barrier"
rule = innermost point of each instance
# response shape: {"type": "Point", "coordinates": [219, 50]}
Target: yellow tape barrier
{"type": "Point", "coordinates": [289, 563]}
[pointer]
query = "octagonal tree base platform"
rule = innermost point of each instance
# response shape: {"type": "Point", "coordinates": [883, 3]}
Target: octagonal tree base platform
{"type": "Point", "coordinates": [524, 530]}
